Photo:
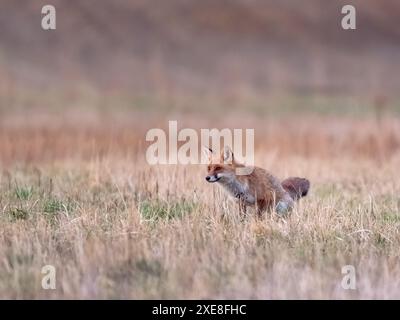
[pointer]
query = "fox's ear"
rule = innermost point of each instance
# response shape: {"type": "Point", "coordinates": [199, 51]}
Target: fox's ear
{"type": "Point", "coordinates": [227, 155]}
{"type": "Point", "coordinates": [207, 152]}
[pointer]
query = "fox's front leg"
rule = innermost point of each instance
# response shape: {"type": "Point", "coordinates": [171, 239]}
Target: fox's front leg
{"type": "Point", "coordinates": [261, 207]}
{"type": "Point", "coordinates": [242, 207]}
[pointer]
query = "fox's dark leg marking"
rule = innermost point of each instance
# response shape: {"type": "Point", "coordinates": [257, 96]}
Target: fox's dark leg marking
{"type": "Point", "coordinates": [261, 207]}
{"type": "Point", "coordinates": [242, 206]}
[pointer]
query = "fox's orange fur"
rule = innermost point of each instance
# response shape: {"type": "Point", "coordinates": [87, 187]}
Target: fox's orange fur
{"type": "Point", "coordinates": [259, 188]}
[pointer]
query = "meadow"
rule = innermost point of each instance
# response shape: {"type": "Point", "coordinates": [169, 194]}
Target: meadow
{"type": "Point", "coordinates": [77, 193]}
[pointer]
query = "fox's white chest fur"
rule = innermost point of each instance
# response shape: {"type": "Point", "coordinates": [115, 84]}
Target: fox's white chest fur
{"type": "Point", "coordinates": [238, 190]}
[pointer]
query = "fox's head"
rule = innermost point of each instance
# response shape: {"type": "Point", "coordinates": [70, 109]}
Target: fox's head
{"type": "Point", "coordinates": [220, 167]}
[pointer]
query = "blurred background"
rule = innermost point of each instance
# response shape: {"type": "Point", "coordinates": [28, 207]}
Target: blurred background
{"type": "Point", "coordinates": [202, 46]}
{"type": "Point", "coordinates": [230, 62]}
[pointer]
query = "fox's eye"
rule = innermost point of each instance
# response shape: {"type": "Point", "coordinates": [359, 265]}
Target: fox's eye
{"type": "Point", "coordinates": [218, 168]}
{"type": "Point", "coordinates": [209, 168]}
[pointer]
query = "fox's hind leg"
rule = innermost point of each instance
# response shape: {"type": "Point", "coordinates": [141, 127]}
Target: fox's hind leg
{"type": "Point", "coordinates": [284, 206]}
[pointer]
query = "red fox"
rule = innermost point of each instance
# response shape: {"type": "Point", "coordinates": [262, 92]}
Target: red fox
{"type": "Point", "coordinates": [260, 188]}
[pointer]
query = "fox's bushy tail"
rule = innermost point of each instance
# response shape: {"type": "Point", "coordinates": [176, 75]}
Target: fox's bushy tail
{"type": "Point", "coordinates": [296, 187]}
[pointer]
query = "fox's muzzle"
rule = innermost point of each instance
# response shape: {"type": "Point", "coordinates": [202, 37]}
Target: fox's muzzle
{"type": "Point", "coordinates": [212, 178]}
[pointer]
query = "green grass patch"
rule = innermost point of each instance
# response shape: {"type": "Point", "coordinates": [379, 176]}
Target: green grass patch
{"type": "Point", "coordinates": [390, 217]}
{"type": "Point", "coordinates": [53, 205]}
{"type": "Point", "coordinates": [52, 208]}
{"type": "Point", "coordinates": [158, 209]}
{"type": "Point", "coordinates": [23, 193]}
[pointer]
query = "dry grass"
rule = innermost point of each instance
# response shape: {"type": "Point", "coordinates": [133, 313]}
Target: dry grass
{"type": "Point", "coordinates": [83, 199]}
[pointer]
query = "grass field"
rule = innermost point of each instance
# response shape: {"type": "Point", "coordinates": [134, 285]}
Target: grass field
{"type": "Point", "coordinates": [77, 193]}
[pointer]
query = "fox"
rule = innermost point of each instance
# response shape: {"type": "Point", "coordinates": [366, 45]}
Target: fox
{"type": "Point", "coordinates": [259, 189]}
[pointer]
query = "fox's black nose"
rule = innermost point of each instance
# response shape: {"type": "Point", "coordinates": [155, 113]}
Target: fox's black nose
{"type": "Point", "coordinates": [208, 178]}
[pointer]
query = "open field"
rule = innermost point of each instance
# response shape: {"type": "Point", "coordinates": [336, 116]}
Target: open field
{"type": "Point", "coordinates": [77, 193]}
